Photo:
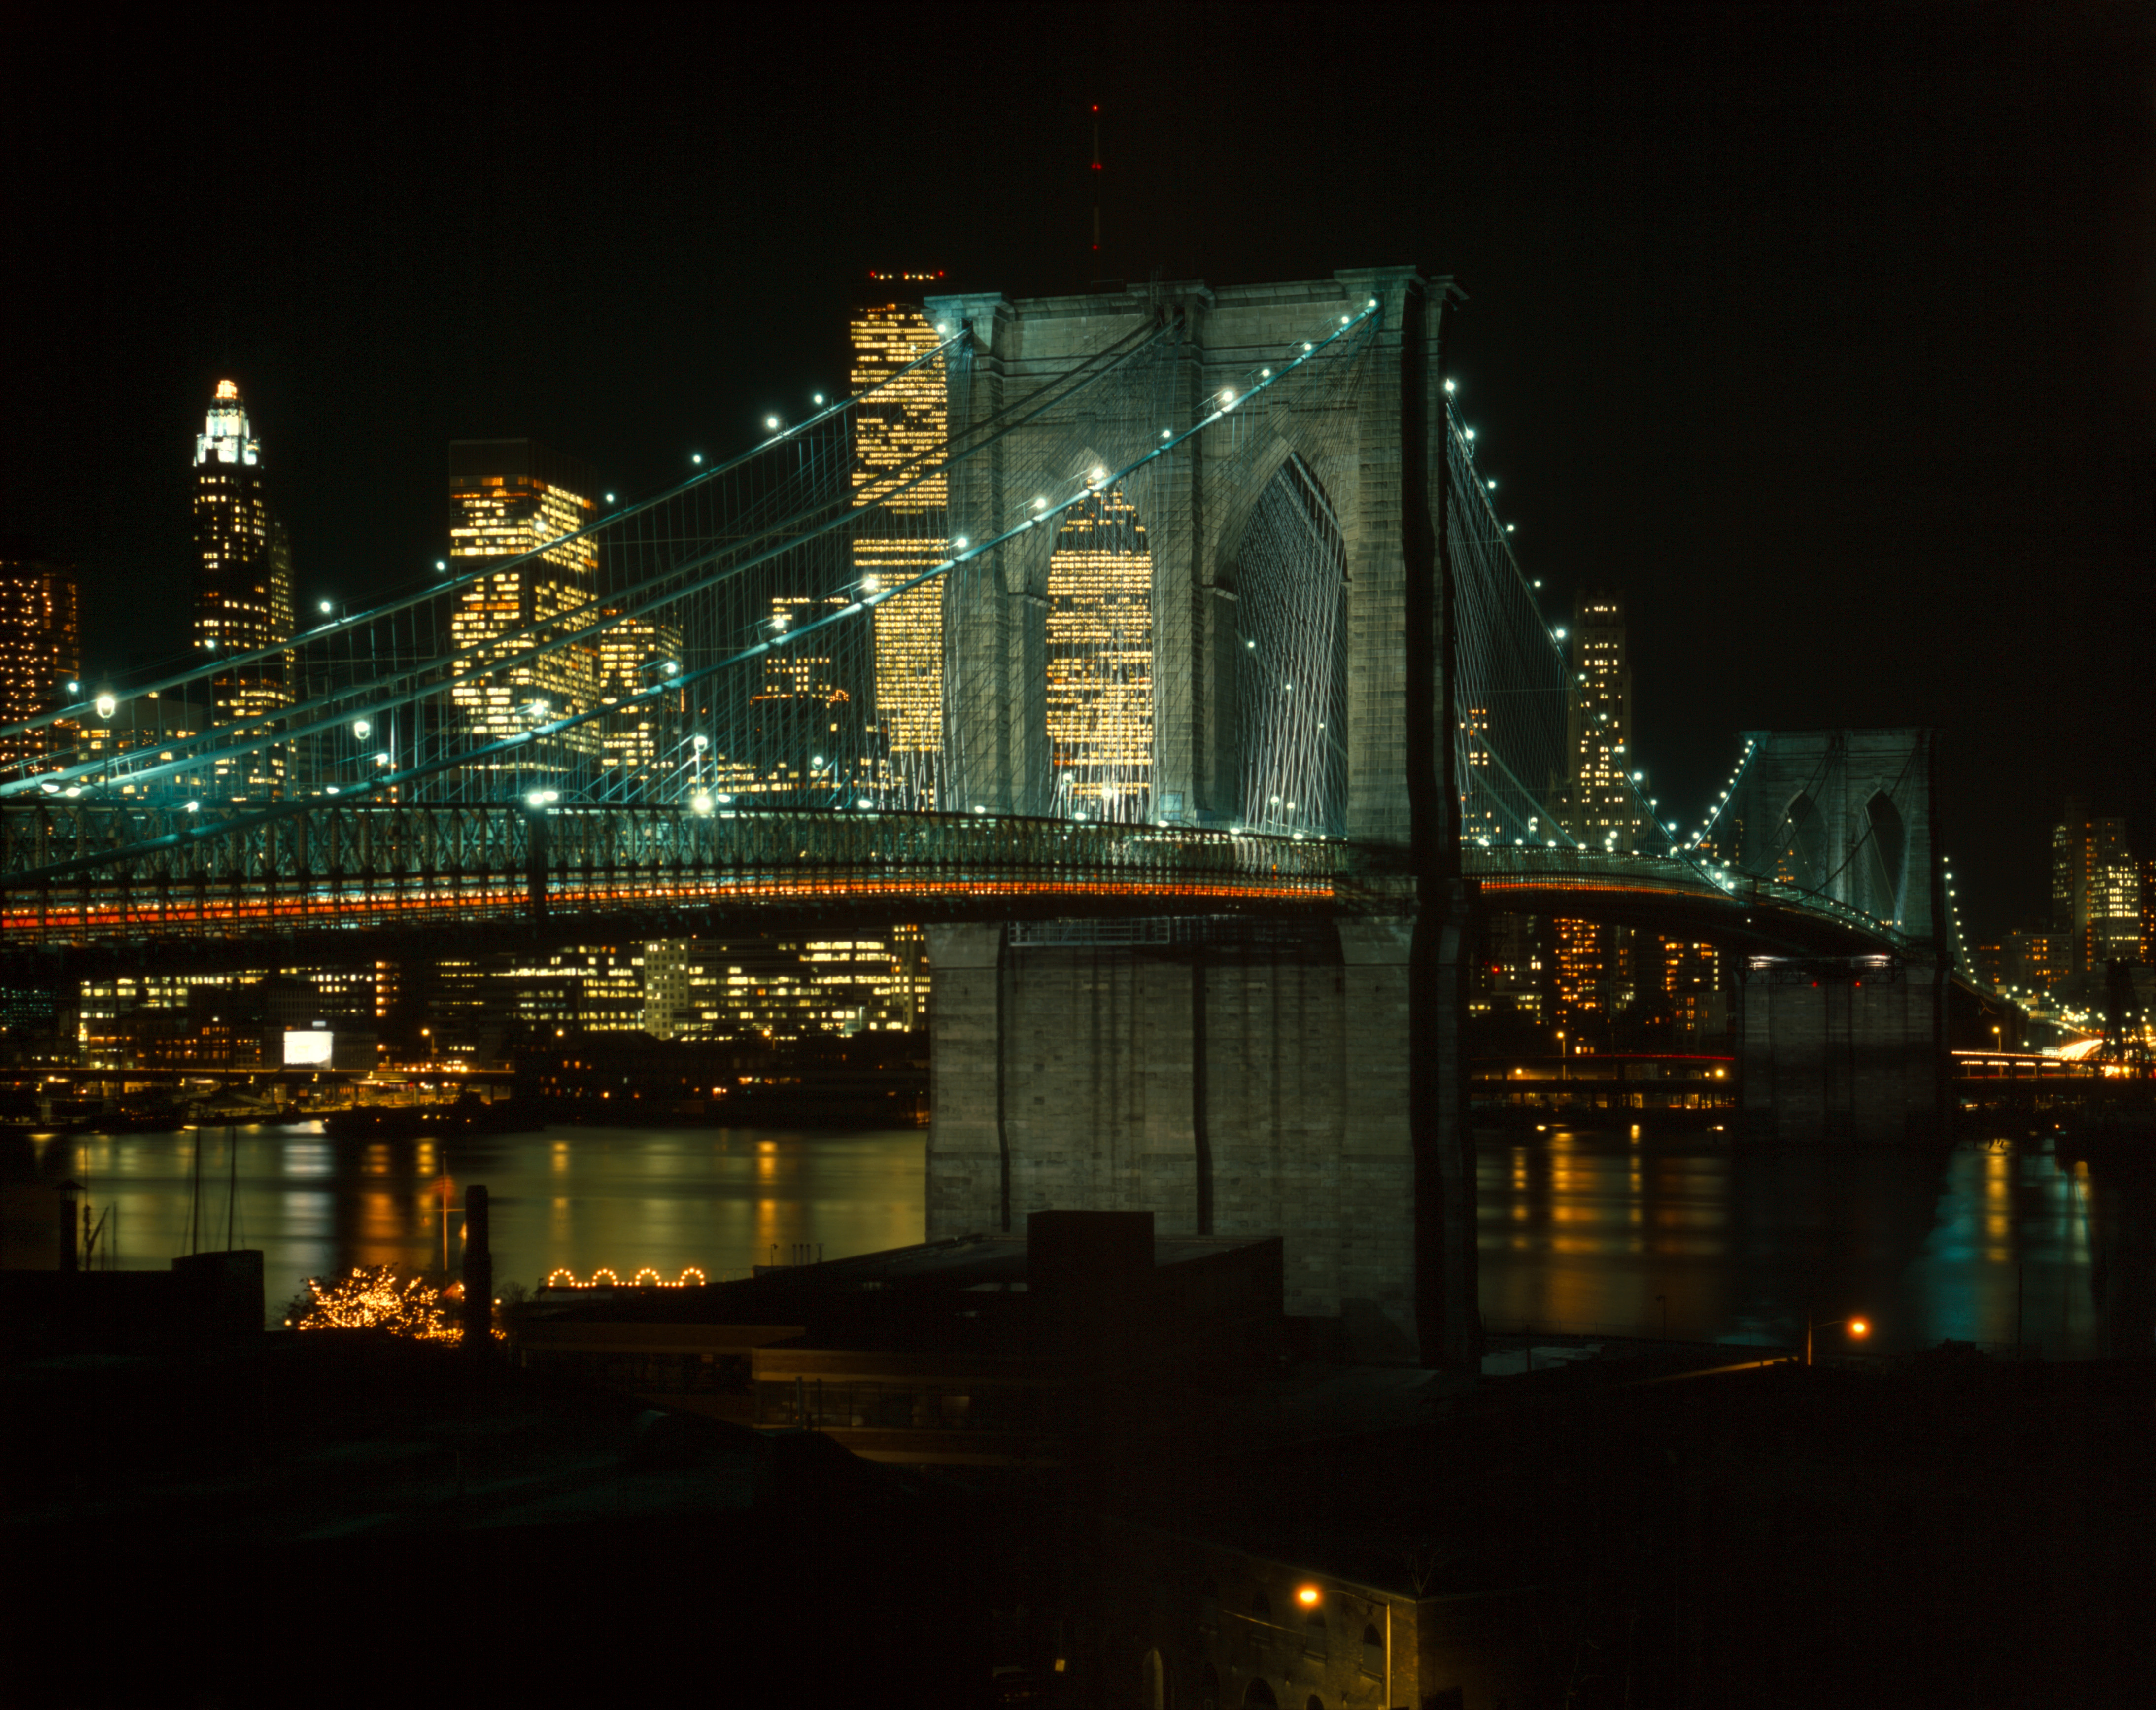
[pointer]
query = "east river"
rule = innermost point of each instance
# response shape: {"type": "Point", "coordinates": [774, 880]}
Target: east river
{"type": "Point", "coordinates": [1586, 1231]}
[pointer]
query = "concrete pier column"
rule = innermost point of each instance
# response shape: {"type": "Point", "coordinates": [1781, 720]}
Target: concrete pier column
{"type": "Point", "coordinates": [1839, 1048]}
{"type": "Point", "coordinates": [1376, 1156]}
{"type": "Point", "coordinates": [968, 1163]}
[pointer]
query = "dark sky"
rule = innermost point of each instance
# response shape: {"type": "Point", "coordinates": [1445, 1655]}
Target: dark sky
{"type": "Point", "coordinates": [1829, 335]}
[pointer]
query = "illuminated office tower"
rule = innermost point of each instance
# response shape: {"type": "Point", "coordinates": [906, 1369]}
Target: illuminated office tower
{"type": "Point", "coordinates": [702, 988]}
{"type": "Point", "coordinates": [40, 648]}
{"type": "Point", "coordinates": [243, 587]}
{"type": "Point", "coordinates": [1691, 981]}
{"type": "Point", "coordinates": [634, 654]}
{"type": "Point", "coordinates": [1478, 808]}
{"type": "Point", "coordinates": [893, 432]}
{"type": "Point", "coordinates": [1100, 662]}
{"type": "Point", "coordinates": [2096, 889]}
{"type": "Point", "coordinates": [508, 498]}
{"type": "Point", "coordinates": [795, 734]}
{"type": "Point", "coordinates": [1593, 978]}
{"type": "Point", "coordinates": [1604, 809]}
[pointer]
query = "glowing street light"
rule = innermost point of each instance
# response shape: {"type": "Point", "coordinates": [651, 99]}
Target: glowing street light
{"type": "Point", "coordinates": [1858, 1328]}
{"type": "Point", "coordinates": [107, 706]}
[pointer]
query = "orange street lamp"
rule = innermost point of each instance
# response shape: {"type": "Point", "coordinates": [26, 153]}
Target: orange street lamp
{"type": "Point", "coordinates": [1306, 1596]}
{"type": "Point", "coordinates": [1856, 1327]}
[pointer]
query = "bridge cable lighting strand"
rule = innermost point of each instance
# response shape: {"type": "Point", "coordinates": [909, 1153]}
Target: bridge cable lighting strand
{"type": "Point", "coordinates": [665, 584]}
{"type": "Point", "coordinates": [354, 620]}
{"type": "Point", "coordinates": [440, 763]}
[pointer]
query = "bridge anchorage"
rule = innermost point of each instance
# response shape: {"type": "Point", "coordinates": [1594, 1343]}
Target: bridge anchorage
{"type": "Point", "coordinates": [1165, 651]}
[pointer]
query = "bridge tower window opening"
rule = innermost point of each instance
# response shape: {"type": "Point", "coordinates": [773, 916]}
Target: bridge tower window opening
{"type": "Point", "coordinates": [1291, 676]}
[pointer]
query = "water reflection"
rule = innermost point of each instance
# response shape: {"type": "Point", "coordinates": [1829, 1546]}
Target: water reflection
{"type": "Point", "coordinates": [719, 1199]}
{"type": "Point", "coordinates": [1615, 1230]}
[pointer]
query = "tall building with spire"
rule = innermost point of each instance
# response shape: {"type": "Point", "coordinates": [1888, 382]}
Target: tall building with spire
{"type": "Point", "coordinates": [517, 502]}
{"type": "Point", "coordinates": [243, 588]}
{"type": "Point", "coordinates": [905, 421]}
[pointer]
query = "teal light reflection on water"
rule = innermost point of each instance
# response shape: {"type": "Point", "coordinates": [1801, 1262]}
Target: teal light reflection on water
{"type": "Point", "coordinates": [1727, 1241]}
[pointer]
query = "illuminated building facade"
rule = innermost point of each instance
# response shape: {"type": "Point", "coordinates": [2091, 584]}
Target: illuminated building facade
{"type": "Point", "coordinates": [2037, 962]}
{"type": "Point", "coordinates": [150, 721]}
{"type": "Point", "coordinates": [905, 422]}
{"type": "Point", "coordinates": [508, 498]}
{"type": "Point", "coordinates": [2096, 889]}
{"type": "Point", "coordinates": [791, 989]}
{"type": "Point", "coordinates": [1478, 812]}
{"type": "Point", "coordinates": [634, 653]}
{"type": "Point", "coordinates": [1691, 979]}
{"type": "Point", "coordinates": [1604, 808]}
{"type": "Point", "coordinates": [1100, 662]}
{"type": "Point", "coordinates": [795, 735]}
{"type": "Point", "coordinates": [1593, 978]}
{"type": "Point", "coordinates": [40, 647]}
{"type": "Point", "coordinates": [243, 587]}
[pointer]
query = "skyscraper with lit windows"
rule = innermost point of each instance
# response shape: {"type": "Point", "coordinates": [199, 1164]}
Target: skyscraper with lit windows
{"type": "Point", "coordinates": [243, 587]}
{"type": "Point", "coordinates": [2096, 889]}
{"type": "Point", "coordinates": [516, 500]}
{"type": "Point", "coordinates": [1100, 661]}
{"type": "Point", "coordinates": [40, 645]}
{"type": "Point", "coordinates": [903, 423]}
{"type": "Point", "coordinates": [1604, 807]}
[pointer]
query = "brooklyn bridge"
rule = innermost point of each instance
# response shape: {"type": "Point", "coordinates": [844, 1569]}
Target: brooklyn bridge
{"type": "Point", "coordinates": [1200, 848]}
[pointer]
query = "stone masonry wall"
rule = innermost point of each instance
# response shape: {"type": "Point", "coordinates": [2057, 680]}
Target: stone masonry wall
{"type": "Point", "coordinates": [1254, 1084]}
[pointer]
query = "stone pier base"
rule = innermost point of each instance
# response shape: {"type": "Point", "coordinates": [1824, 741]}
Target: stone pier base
{"type": "Point", "coordinates": [1229, 1077]}
{"type": "Point", "coordinates": [1841, 1049]}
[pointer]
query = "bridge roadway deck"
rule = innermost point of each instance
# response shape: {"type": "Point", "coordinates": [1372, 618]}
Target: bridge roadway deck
{"type": "Point", "coordinates": [349, 883]}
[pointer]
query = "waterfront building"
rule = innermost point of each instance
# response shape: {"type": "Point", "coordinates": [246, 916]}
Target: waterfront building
{"type": "Point", "coordinates": [785, 988]}
{"type": "Point", "coordinates": [1592, 980]}
{"type": "Point", "coordinates": [906, 421]}
{"type": "Point", "coordinates": [40, 648]}
{"type": "Point", "coordinates": [1100, 662]}
{"type": "Point", "coordinates": [518, 503]}
{"type": "Point", "coordinates": [243, 590]}
{"type": "Point", "coordinates": [1691, 980]}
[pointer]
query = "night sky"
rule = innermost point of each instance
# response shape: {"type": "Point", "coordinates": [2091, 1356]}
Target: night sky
{"type": "Point", "coordinates": [1828, 336]}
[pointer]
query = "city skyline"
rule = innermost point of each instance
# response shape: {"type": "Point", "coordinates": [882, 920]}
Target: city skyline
{"type": "Point", "coordinates": [1631, 333]}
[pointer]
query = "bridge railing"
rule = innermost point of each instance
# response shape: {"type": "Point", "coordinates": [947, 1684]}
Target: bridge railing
{"type": "Point", "coordinates": [77, 875]}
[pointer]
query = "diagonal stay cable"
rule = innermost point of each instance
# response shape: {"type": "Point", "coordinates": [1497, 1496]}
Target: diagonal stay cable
{"type": "Point", "coordinates": [662, 587]}
{"type": "Point", "coordinates": [393, 779]}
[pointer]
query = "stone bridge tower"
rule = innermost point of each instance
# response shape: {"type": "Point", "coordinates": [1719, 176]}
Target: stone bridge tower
{"type": "Point", "coordinates": [1232, 1079]}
